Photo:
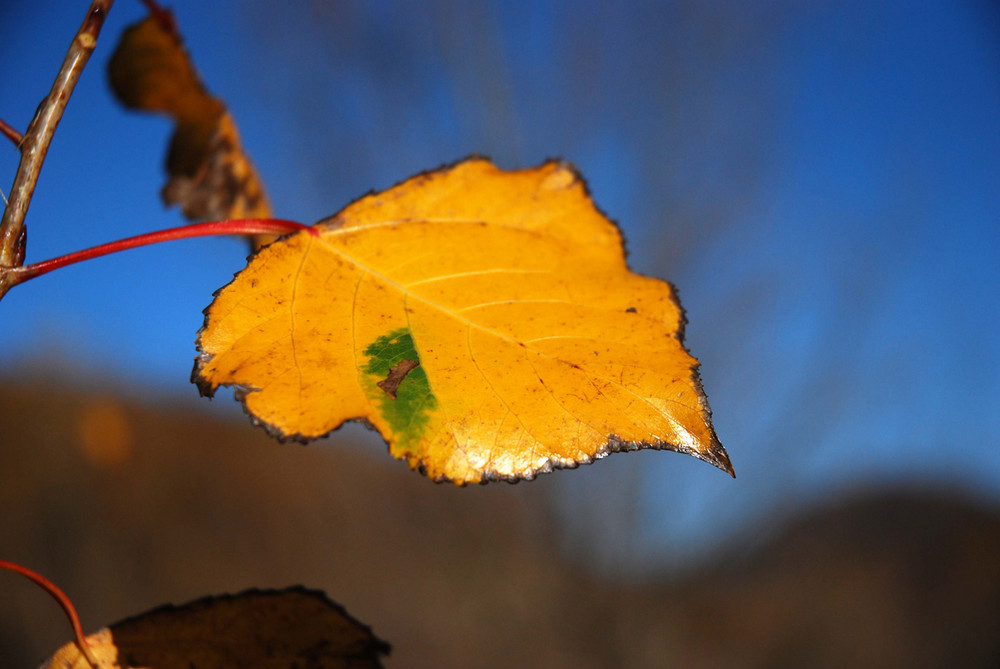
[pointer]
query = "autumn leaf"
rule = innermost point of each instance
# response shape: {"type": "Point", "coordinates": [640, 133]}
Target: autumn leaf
{"type": "Point", "coordinates": [210, 174]}
{"type": "Point", "coordinates": [484, 322]}
{"type": "Point", "coordinates": [257, 628]}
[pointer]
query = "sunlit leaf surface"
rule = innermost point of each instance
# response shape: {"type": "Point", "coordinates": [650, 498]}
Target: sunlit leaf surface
{"type": "Point", "coordinates": [484, 322]}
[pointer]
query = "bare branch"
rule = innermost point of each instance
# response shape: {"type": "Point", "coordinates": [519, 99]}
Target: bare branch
{"type": "Point", "coordinates": [36, 140]}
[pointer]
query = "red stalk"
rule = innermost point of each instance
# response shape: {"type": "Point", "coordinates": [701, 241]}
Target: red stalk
{"type": "Point", "coordinates": [64, 602]}
{"type": "Point", "coordinates": [244, 226]}
{"type": "Point", "coordinates": [10, 133]}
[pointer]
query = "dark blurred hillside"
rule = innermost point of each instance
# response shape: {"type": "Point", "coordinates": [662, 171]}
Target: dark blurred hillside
{"type": "Point", "coordinates": [127, 506]}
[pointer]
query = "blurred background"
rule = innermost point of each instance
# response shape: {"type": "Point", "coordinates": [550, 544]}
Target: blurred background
{"type": "Point", "coordinates": [819, 179]}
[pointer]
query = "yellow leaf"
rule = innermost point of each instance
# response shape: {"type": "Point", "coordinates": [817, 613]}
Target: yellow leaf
{"type": "Point", "coordinates": [256, 628]}
{"type": "Point", "coordinates": [484, 322]}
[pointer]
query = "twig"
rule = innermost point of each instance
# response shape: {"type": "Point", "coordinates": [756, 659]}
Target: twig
{"type": "Point", "coordinates": [10, 133]}
{"type": "Point", "coordinates": [36, 140]}
{"type": "Point", "coordinates": [64, 602]}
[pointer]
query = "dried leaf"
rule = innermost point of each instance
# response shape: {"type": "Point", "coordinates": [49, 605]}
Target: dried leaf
{"type": "Point", "coordinates": [537, 347]}
{"type": "Point", "coordinates": [257, 628]}
{"type": "Point", "coordinates": [210, 175]}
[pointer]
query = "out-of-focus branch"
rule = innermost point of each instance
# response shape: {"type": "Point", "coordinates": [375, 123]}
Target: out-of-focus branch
{"type": "Point", "coordinates": [35, 143]}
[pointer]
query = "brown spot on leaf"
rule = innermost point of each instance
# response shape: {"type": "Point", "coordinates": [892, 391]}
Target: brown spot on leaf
{"type": "Point", "coordinates": [396, 376]}
{"type": "Point", "coordinates": [631, 310]}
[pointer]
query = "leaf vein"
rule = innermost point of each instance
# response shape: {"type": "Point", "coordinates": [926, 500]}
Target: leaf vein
{"type": "Point", "coordinates": [291, 315]}
{"type": "Point", "coordinates": [472, 356]}
{"type": "Point", "coordinates": [458, 275]}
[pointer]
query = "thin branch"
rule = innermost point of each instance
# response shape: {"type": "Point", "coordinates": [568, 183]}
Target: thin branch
{"type": "Point", "coordinates": [10, 133]}
{"type": "Point", "coordinates": [64, 602]}
{"type": "Point", "coordinates": [36, 140]}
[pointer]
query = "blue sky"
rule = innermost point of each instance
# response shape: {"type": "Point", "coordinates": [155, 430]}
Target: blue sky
{"type": "Point", "coordinates": [820, 180]}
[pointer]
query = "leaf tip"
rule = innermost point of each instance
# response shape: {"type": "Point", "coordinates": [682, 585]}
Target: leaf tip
{"type": "Point", "coordinates": [716, 455]}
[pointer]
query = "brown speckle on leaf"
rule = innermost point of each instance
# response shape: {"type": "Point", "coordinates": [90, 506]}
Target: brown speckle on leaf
{"type": "Point", "coordinates": [631, 310]}
{"type": "Point", "coordinates": [396, 376]}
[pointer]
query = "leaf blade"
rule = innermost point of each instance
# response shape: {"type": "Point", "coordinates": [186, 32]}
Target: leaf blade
{"type": "Point", "coordinates": [510, 287]}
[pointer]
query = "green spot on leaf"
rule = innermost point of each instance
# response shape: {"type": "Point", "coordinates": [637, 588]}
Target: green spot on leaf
{"type": "Point", "coordinates": [406, 412]}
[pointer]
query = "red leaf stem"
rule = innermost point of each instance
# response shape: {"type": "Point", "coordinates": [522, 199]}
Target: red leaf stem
{"type": "Point", "coordinates": [10, 133]}
{"type": "Point", "coordinates": [245, 226]}
{"type": "Point", "coordinates": [64, 602]}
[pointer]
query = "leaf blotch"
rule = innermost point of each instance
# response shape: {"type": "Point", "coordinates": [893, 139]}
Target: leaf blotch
{"type": "Point", "coordinates": [399, 387]}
